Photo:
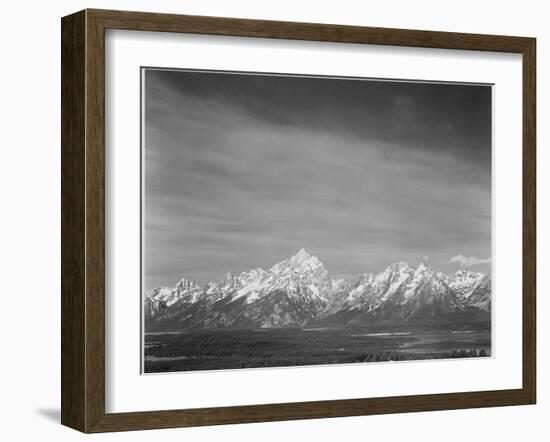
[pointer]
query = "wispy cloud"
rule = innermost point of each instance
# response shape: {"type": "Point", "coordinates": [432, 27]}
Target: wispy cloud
{"type": "Point", "coordinates": [468, 261]}
{"type": "Point", "coordinates": [241, 172]}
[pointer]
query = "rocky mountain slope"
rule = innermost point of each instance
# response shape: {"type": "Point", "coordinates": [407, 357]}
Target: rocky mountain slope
{"type": "Point", "coordinates": [298, 292]}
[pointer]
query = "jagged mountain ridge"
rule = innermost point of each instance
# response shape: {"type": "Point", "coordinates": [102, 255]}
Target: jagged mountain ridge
{"type": "Point", "coordinates": [298, 291]}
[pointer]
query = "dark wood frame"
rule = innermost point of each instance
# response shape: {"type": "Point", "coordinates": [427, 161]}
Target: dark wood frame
{"type": "Point", "coordinates": [83, 217]}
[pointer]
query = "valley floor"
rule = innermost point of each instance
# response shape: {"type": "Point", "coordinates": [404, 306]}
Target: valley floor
{"type": "Point", "coordinates": [230, 349]}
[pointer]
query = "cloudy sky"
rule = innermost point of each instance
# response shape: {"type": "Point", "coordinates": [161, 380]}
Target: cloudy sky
{"type": "Point", "coordinates": [241, 171]}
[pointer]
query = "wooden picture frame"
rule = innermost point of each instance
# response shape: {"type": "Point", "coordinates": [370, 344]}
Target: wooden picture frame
{"type": "Point", "coordinates": [83, 220]}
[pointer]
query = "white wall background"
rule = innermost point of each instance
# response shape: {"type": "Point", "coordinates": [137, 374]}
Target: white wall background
{"type": "Point", "coordinates": [30, 217]}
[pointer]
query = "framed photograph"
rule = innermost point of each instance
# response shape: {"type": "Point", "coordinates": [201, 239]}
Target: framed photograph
{"type": "Point", "coordinates": [267, 221]}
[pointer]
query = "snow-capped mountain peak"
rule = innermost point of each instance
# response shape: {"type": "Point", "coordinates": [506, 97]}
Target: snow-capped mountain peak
{"type": "Point", "coordinates": [400, 266]}
{"type": "Point", "coordinates": [423, 268]}
{"type": "Point", "coordinates": [184, 290]}
{"type": "Point", "coordinates": [466, 275]}
{"type": "Point", "coordinates": [160, 293]}
{"type": "Point", "coordinates": [464, 282]}
{"type": "Point", "coordinates": [185, 284]}
{"type": "Point", "coordinates": [298, 290]}
{"type": "Point", "coordinates": [300, 256]}
{"type": "Point", "coordinates": [301, 262]}
{"type": "Point", "coordinates": [252, 275]}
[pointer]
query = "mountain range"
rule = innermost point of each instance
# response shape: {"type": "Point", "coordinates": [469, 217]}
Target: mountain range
{"type": "Point", "coordinates": [298, 292]}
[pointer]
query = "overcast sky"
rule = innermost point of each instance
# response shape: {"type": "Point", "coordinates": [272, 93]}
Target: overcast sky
{"type": "Point", "coordinates": [241, 171]}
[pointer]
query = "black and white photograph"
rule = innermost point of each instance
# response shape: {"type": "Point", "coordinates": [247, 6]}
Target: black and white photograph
{"type": "Point", "coordinates": [273, 221]}
{"type": "Point", "coordinates": [293, 220]}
